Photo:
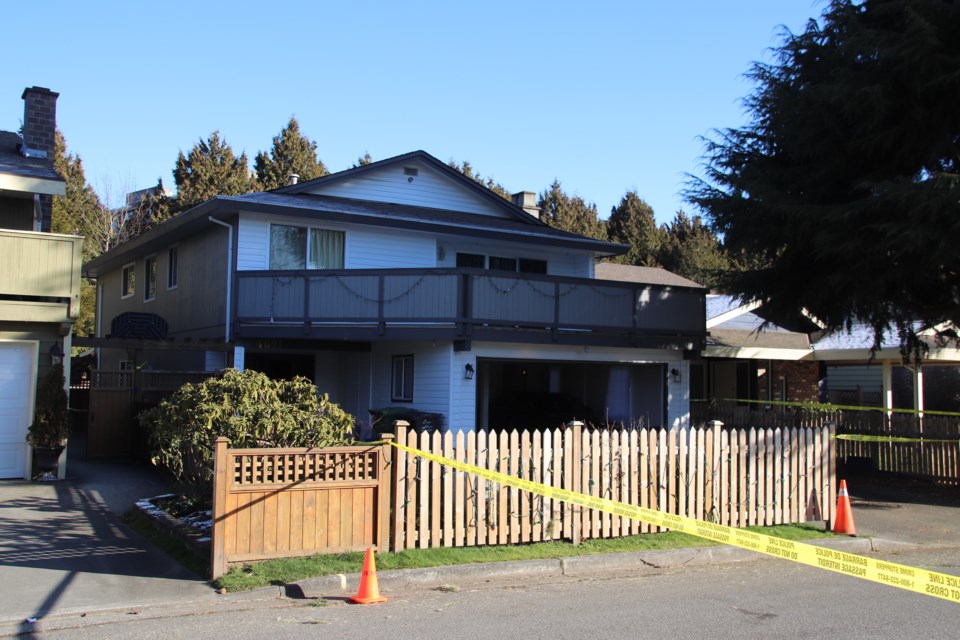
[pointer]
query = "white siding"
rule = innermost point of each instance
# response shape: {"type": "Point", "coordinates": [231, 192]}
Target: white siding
{"type": "Point", "coordinates": [389, 249]}
{"type": "Point", "coordinates": [365, 247]}
{"type": "Point", "coordinates": [253, 244]}
{"type": "Point", "coordinates": [431, 375]}
{"type": "Point", "coordinates": [428, 189]}
{"type": "Point", "coordinates": [463, 392]}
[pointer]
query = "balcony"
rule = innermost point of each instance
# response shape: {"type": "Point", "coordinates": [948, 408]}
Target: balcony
{"type": "Point", "coordinates": [465, 304]}
{"type": "Point", "coordinates": [39, 276]}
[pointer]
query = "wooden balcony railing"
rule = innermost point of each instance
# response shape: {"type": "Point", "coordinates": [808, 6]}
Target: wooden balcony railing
{"type": "Point", "coordinates": [465, 303]}
{"type": "Point", "coordinates": [40, 269]}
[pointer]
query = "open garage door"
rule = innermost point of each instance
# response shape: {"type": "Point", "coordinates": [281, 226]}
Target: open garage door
{"type": "Point", "coordinates": [545, 394]}
{"type": "Point", "coordinates": [17, 376]}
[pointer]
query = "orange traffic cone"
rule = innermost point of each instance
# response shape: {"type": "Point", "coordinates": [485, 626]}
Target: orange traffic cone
{"type": "Point", "coordinates": [843, 521]}
{"type": "Point", "coordinates": [369, 586]}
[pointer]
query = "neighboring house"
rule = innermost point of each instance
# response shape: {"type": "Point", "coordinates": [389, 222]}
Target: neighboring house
{"type": "Point", "coordinates": [399, 283]}
{"type": "Point", "coordinates": [749, 358]}
{"type": "Point", "coordinates": [39, 275]}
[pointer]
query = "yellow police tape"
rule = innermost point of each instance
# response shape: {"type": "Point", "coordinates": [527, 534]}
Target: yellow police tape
{"type": "Point", "coordinates": [931, 583]}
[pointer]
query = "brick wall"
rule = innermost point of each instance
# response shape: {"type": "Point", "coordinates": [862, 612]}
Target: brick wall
{"type": "Point", "coordinates": [801, 380]}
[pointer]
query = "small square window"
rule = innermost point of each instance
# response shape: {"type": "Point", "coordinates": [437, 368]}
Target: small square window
{"type": "Point", "coordinates": [128, 278]}
{"type": "Point", "coordinates": [150, 276]}
{"type": "Point", "coordinates": [402, 387]}
{"type": "Point", "coordinates": [173, 267]}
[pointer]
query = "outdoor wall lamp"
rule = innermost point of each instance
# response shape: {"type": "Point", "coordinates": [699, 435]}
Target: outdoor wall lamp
{"type": "Point", "coordinates": [56, 353]}
{"type": "Point", "coordinates": [675, 375]}
{"type": "Point", "coordinates": [468, 372]}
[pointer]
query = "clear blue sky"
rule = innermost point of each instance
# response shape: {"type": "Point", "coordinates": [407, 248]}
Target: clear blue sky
{"type": "Point", "coordinates": [605, 96]}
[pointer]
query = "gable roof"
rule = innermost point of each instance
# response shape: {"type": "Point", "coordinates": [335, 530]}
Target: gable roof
{"type": "Point", "coordinates": [28, 175]}
{"type": "Point", "coordinates": [348, 210]}
{"type": "Point", "coordinates": [472, 186]}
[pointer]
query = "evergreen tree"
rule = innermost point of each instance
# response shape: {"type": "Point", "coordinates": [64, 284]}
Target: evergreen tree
{"type": "Point", "coordinates": [210, 169]}
{"type": "Point", "coordinates": [74, 213]}
{"type": "Point", "coordinates": [690, 249]}
{"type": "Point", "coordinates": [467, 169]}
{"type": "Point", "coordinates": [632, 222]}
{"type": "Point", "coordinates": [292, 153]}
{"type": "Point", "coordinates": [845, 184]}
{"type": "Point", "coordinates": [559, 210]}
{"type": "Point", "coordinates": [362, 161]}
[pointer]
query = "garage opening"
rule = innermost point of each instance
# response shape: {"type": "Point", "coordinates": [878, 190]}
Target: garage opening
{"type": "Point", "coordinates": [545, 394]}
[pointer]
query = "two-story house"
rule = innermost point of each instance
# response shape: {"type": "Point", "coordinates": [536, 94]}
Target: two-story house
{"type": "Point", "coordinates": [399, 283]}
{"type": "Point", "coordinates": [39, 275]}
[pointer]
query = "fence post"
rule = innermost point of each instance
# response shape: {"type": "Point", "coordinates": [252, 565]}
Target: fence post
{"type": "Point", "coordinates": [575, 431]}
{"type": "Point", "coordinates": [385, 493]}
{"type": "Point", "coordinates": [711, 481]}
{"type": "Point", "coordinates": [831, 476]}
{"type": "Point", "coordinates": [218, 564]}
{"type": "Point", "coordinates": [713, 478]}
{"type": "Point", "coordinates": [398, 491]}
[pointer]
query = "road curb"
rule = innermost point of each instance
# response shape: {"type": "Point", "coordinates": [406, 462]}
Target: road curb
{"type": "Point", "coordinates": [643, 562]}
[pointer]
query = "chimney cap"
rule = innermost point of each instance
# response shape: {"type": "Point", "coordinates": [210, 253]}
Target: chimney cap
{"type": "Point", "coordinates": [44, 90]}
{"type": "Point", "coordinates": [293, 179]}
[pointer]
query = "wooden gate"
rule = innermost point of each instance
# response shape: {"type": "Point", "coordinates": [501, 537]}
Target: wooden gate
{"type": "Point", "coordinates": [270, 503]}
{"type": "Point", "coordinates": [110, 423]}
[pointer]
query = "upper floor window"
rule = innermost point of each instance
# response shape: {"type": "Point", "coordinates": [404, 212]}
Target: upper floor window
{"type": "Point", "coordinates": [528, 265]}
{"type": "Point", "coordinates": [499, 263]}
{"type": "Point", "coordinates": [471, 261]}
{"type": "Point", "coordinates": [305, 248]}
{"type": "Point", "coordinates": [128, 278]}
{"type": "Point", "coordinates": [173, 267]}
{"type": "Point", "coordinates": [150, 277]}
{"type": "Point", "coordinates": [503, 264]}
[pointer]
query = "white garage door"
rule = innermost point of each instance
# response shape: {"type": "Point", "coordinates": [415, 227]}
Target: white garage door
{"type": "Point", "coordinates": [16, 382]}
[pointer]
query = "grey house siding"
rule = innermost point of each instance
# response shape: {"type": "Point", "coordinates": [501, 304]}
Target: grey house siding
{"type": "Point", "coordinates": [196, 307]}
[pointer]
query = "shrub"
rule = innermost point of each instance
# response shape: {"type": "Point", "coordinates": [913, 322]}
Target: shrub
{"type": "Point", "coordinates": [51, 419]}
{"type": "Point", "coordinates": [249, 409]}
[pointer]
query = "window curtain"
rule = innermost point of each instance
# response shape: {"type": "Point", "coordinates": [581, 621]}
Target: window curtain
{"type": "Point", "coordinates": [326, 249]}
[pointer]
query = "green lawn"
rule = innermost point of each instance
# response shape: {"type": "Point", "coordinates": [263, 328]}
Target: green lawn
{"type": "Point", "coordinates": [287, 570]}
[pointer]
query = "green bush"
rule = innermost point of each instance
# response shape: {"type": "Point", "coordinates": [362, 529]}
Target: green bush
{"type": "Point", "coordinates": [51, 419]}
{"type": "Point", "coordinates": [249, 409]}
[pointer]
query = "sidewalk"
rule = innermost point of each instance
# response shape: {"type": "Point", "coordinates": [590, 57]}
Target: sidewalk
{"type": "Point", "coordinates": [63, 549]}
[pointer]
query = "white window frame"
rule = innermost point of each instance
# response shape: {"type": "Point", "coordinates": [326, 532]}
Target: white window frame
{"type": "Point", "coordinates": [402, 373]}
{"type": "Point", "coordinates": [307, 228]}
{"type": "Point", "coordinates": [173, 267]}
{"type": "Point", "coordinates": [128, 275]}
{"type": "Point", "coordinates": [150, 283]}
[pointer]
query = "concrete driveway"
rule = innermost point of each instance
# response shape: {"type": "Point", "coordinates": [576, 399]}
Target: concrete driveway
{"type": "Point", "coordinates": [62, 550]}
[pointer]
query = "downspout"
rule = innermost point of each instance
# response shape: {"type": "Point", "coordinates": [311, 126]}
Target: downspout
{"type": "Point", "coordinates": [226, 320]}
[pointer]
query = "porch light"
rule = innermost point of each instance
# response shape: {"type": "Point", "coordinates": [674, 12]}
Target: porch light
{"type": "Point", "coordinates": [56, 353]}
{"type": "Point", "coordinates": [675, 375]}
{"type": "Point", "coordinates": [468, 372]}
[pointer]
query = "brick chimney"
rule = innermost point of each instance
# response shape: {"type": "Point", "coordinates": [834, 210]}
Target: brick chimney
{"type": "Point", "coordinates": [39, 119]}
{"type": "Point", "coordinates": [39, 127]}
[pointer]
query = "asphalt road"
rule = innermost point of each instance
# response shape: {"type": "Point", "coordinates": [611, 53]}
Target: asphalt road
{"type": "Point", "coordinates": [766, 599]}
